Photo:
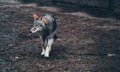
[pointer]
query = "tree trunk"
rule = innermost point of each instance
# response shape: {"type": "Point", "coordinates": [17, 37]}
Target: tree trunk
{"type": "Point", "coordinates": [54, 2]}
{"type": "Point", "coordinates": [112, 5]}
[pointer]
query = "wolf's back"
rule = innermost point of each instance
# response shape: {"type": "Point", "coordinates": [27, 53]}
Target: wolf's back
{"type": "Point", "coordinates": [49, 17]}
{"type": "Point", "coordinates": [51, 20]}
{"type": "Point", "coordinates": [51, 25]}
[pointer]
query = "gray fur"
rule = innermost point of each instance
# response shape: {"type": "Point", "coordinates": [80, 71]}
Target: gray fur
{"type": "Point", "coordinates": [46, 31]}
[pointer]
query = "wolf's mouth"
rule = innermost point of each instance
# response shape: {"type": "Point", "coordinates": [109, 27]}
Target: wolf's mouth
{"type": "Point", "coordinates": [35, 29]}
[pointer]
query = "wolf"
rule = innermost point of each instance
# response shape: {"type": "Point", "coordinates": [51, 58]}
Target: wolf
{"type": "Point", "coordinates": [46, 27]}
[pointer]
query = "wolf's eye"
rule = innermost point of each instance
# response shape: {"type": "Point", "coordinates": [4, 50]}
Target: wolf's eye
{"type": "Point", "coordinates": [36, 25]}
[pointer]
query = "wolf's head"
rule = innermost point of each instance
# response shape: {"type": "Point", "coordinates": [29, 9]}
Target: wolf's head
{"type": "Point", "coordinates": [38, 23]}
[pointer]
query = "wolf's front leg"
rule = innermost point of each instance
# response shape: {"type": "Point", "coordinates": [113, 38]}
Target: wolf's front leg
{"type": "Point", "coordinates": [43, 51]}
{"type": "Point", "coordinates": [48, 48]}
{"type": "Point", "coordinates": [43, 45]}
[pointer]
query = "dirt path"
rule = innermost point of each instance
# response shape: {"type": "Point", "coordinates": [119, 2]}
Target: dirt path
{"type": "Point", "coordinates": [85, 44]}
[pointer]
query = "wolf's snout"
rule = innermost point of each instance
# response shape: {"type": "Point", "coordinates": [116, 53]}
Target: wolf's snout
{"type": "Point", "coordinates": [32, 30]}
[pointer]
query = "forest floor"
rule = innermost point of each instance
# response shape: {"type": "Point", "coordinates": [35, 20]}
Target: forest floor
{"type": "Point", "coordinates": [85, 43]}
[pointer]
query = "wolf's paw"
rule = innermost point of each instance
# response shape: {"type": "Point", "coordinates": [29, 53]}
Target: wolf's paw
{"type": "Point", "coordinates": [43, 52]}
{"type": "Point", "coordinates": [46, 54]}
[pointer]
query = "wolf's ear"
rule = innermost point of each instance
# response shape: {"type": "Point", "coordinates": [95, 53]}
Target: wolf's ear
{"type": "Point", "coordinates": [44, 20]}
{"type": "Point", "coordinates": [35, 16]}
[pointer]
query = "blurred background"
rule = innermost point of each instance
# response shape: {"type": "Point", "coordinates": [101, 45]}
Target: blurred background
{"type": "Point", "coordinates": [102, 8]}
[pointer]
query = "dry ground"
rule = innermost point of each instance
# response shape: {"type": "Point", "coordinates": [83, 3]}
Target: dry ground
{"type": "Point", "coordinates": [85, 44]}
